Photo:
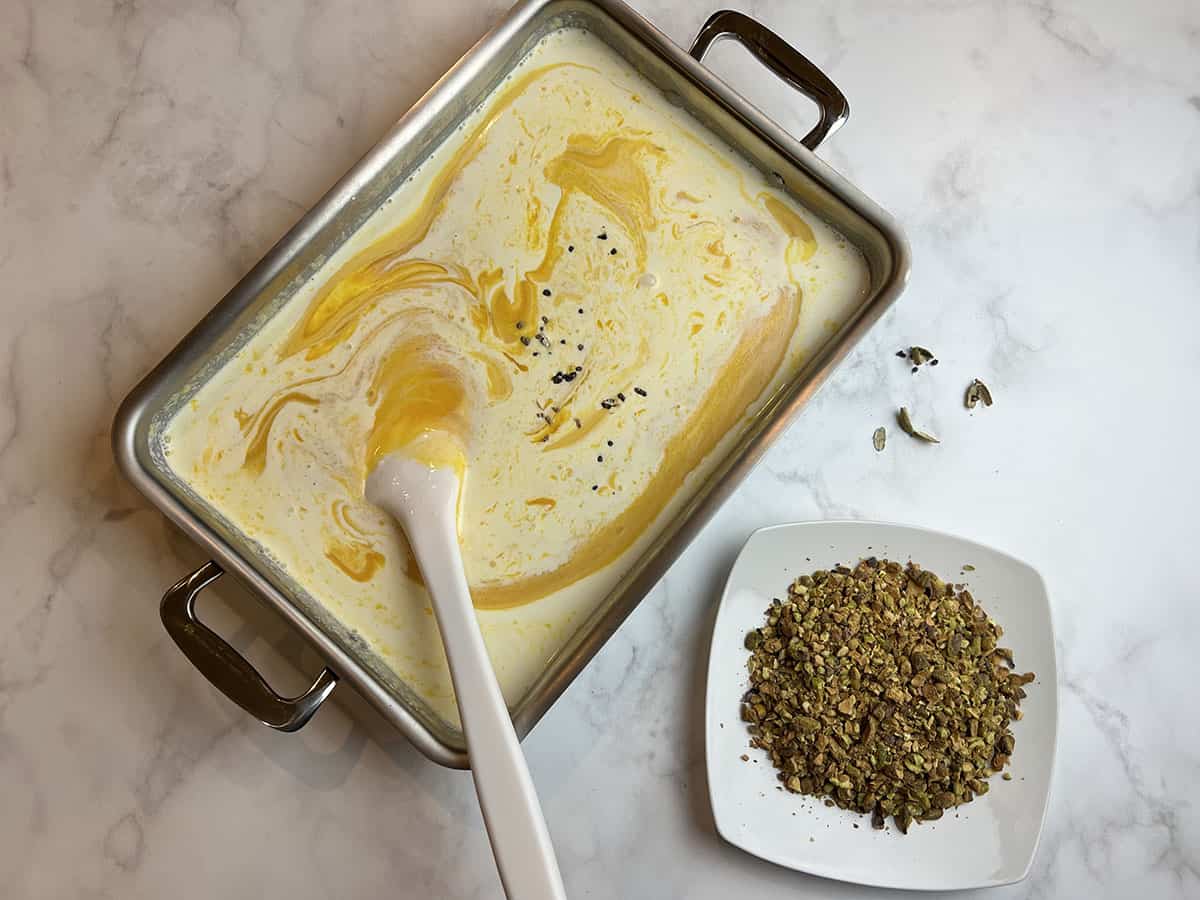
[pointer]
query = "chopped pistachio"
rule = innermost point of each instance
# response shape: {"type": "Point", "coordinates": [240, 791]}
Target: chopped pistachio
{"type": "Point", "coordinates": [881, 689]}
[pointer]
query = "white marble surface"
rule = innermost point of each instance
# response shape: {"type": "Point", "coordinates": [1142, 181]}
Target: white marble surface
{"type": "Point", "coordinates": [1044, 158]}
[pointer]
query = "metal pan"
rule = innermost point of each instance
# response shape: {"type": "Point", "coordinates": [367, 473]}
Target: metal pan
{"type": "Point", "coordinates": [141, 419]}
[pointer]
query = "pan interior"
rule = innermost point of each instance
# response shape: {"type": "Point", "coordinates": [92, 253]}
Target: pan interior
{"type": "Point", "coordinates": [256, 306]}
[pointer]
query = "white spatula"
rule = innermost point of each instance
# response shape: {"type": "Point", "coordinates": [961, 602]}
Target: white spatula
{"type": "Point", "coordinates": [423, 499]}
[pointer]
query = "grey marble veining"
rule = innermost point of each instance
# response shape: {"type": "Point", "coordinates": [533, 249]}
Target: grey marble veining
{"type": "Point", "coordinates": [1044, 158]}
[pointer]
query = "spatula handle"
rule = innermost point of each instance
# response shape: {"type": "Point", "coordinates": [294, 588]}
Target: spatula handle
{"type": "Point", "coordinates": [424, 501]}
{"type": "Point", "coordinates": [516, 827]}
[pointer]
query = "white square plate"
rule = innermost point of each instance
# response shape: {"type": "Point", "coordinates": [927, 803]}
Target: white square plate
{"type": "Point", "coordinates": [990, 841]}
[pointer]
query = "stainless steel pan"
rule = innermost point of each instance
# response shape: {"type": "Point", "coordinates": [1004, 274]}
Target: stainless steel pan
{"type": "Point", "coordinates": [139, 424]}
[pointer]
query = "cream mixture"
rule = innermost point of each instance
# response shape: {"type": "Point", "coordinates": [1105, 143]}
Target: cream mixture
{"type": "Point", "coordinates": [588, 292]}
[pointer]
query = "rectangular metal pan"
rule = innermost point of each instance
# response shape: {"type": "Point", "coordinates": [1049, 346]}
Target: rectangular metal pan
{"type": "Point", "coordinates": [681, 77]}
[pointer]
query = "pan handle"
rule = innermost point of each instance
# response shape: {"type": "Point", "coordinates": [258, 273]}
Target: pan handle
{"type": "Point", "coordinates": [785, 61]}
{"type": "Point", "coordinates": [227, 669]}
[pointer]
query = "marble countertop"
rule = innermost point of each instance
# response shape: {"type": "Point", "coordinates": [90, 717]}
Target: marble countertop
{"type": "Point", "coordinates": [1044, 159]}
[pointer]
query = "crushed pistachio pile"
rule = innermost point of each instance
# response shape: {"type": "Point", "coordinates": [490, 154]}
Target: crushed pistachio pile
{"type": "Point", "coordinates": [883, 690]}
